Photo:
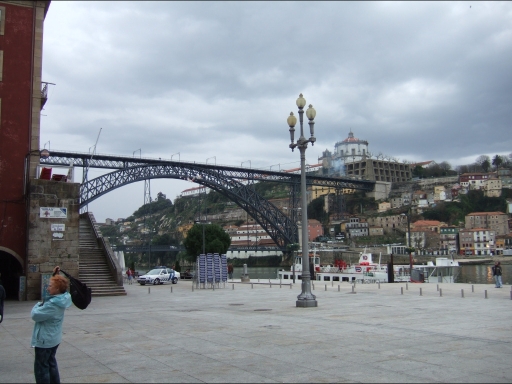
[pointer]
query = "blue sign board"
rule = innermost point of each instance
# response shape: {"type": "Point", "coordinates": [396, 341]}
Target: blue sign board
{"type": "Point", "coordinates": [45, 282]}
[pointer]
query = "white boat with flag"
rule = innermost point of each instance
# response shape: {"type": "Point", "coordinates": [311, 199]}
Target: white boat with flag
{"type": "Point", "coordinates": [368, 271]}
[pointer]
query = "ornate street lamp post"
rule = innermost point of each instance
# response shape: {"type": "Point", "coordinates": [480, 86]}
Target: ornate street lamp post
{"type": "Point", "coordinates": [306, 298]}
{"type": "Point", "coordinates": [409, 249]}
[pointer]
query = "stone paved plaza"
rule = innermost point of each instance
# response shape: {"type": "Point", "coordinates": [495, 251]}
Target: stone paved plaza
{"type": "Point", "coordinates": [256, 334]}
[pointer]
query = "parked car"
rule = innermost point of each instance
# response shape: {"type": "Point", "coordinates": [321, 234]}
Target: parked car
{"type": "Point", "coordinates": [187, 275]}
{"type": "Point", "coordinates": [159, 276]}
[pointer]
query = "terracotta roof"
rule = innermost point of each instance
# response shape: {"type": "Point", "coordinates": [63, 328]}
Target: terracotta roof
{"type": "Point", "coordinates": [426, 223]}
{"type": "Point", "coordinates": [266, 242]}
{"type": "Point", "coordinates": [241, 242]}
{"type": "Point", "coordinates": [351, 139]}
{"type": "Point", "coordinates": [475, 173]}
{"type": "Point", "coordinates": [193, 189]}
{"type": "Point", "coordinates": [485, 213]}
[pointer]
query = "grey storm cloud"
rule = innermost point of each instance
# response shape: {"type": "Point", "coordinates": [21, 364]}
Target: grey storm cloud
{"type": "Point", "coordinates": [418, 80]}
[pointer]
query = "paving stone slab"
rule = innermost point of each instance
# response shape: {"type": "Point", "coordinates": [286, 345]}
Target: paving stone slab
{"type": "Point", "coordinates": [377, 335]}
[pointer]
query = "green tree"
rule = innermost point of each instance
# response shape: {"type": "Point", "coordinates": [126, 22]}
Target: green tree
{"type": "Point", "coordinates": [486, 164]}
{"type": "Point", "coordinates": [216, 240]}
{"type": "Point", "coordinates": [292, 248]}
{"type": "Point", "coordinates": [109, 230]}
{"type": "Point", "coordinates": [418, 171]}
{"type": "Point", "coordinates": [165, 239]}
{"type": "Point", "coordinates": [497, 161]}
{"type": "Point", "coordinates": [316, 210]}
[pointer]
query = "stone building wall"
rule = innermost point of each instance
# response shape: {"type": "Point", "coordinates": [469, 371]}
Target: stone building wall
{"type": "Point", "coordinates": [47, 248]}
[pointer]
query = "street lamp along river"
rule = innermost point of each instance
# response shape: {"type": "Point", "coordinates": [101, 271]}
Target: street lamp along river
{"type": "Point", "coordinates": [306, 298]}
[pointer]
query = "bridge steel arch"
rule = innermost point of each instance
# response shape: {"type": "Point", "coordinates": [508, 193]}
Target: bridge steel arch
{"type": "Point", "coordinates": [223, 179]}
{"type": "Point", "coordinates": [279, 226]}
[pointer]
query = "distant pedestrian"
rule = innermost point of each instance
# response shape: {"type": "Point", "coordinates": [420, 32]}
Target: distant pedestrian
{"type": "Point", "coordinates": [47, 334]}
{"type": "Point", "coordinates": [2, 299]}
{"type": "Point", "coordinates": [230, 271]}
{"type": "Point", "coordinates": [496, 271]}
{"type": "Point", "coordinates": [129, 273]}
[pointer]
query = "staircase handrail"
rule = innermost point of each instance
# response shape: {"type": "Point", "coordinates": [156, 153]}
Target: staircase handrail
{"type": "Point", "coordinates": [104, 244]}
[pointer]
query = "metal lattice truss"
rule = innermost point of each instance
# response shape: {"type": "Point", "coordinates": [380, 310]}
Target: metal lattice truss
{"type": "Point", "coordinates": [279, 226]}
{"type": "Point", "coordinates": [85, 160]}
{"type": "Point", "coordinates": [229, 181]}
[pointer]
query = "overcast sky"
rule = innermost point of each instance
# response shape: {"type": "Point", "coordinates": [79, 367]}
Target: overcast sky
{"type": "Point", "coordinates": [217, 80]}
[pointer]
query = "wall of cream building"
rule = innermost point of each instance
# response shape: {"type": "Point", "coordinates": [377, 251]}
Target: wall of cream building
{"type": "Point", "coordinates": [381, 191]}
{"type": "Point", "coordinates": [493, 188]}
{"type": "Point", "coordinates": [384, 206]}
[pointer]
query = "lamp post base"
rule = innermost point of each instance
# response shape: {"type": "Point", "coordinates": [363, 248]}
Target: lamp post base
{"type": "Point", "coordinates": [307, 303]}
{"type": "Point", "coordinates": [306, 300]}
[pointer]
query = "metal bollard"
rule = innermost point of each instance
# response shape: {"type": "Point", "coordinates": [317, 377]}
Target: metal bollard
{"type": "Point", "coordinates": [353, 288]}
{"type": "Point", "coordinates": [421, 292]}
{"type": "Point", "coordinates": [326, 287]}
{"type": "Point", "coordinates": [437, 287]}
{"type": "Point", "coordinates": [510, 294]}
{"type": "Point", "coordinates": [149, 289]}
{"type": "Point", "coordinates": [279, 284]}
{"type": "Point", "coordinates": [485, 294]}
{"type": "Point", "coordinates": [339, 289]}
{"type": "Point", "coordinates": [441, 292]}
{"type": "Point", "coordinates": [379, 283]}
{"type": "Point", "coordinates": [171, 288]}
{"type": "Point", "coordinates": [233, 286]}
{"type": "Point", "coordinates": [406, 286]}
{"type": "Point", "coordinates": [462, 293]}
{"type": "Point", "coordinates": [401, 290]}
{"type": "Point", "coordinates": [332, 283]}
{"type": "Point", "coordinates": [252, 285]}
{"type": "Point", "coordinates": [270, 285]}
{"type": "Point", "coordinates": [472, 288]}
{"type": "Point", "coordinates": [192, 287]}
{"type": "Point", "coordinates": [290, 285]}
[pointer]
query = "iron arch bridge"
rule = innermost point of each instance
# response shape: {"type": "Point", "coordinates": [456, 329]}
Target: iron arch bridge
{"type": "Point", "coordinates": [232, 182]}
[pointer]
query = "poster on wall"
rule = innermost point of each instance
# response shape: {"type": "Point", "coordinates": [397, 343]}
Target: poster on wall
{"type": "Point", "coordinates": [58, 236]}
{"type": "Point", "coordinates": [58, 227]}
{"type": "Point", "coordinates": [53, 212]}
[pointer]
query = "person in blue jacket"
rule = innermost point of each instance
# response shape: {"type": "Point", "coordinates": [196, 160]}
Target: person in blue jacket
{"type": "Point", "coordinates": [47, 334]}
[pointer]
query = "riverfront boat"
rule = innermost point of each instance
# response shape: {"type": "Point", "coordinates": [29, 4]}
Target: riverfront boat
{"type": "Point", "coordinates": [443, 271]}
{"type": "Point", "coordinates": [367, 271]}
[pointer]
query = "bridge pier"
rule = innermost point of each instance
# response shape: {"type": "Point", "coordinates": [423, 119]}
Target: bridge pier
{"type": "Point", "coordinates": [53, 232]}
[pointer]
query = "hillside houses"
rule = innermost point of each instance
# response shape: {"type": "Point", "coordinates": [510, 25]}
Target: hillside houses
{"type": "Point", "coordinates": [443, 190]}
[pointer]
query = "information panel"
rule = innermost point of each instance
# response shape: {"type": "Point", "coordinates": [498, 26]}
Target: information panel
{"type": "Point", "coordinates": [53, 212]}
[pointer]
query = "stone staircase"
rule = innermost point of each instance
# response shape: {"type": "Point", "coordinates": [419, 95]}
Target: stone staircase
{"type": "Point", "coordinates": [93, 269]}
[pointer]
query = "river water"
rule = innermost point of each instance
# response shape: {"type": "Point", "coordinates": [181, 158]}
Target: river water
{"type": "Point", "coordinates": [471, 274]}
